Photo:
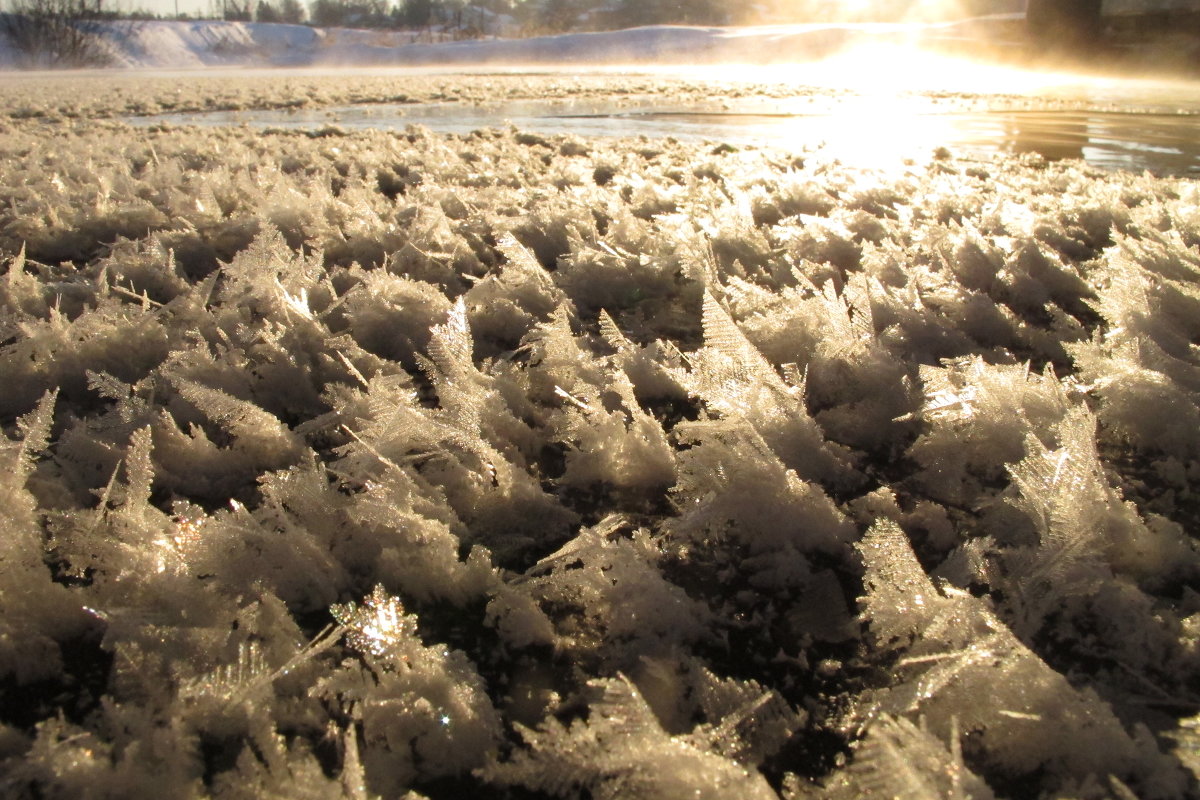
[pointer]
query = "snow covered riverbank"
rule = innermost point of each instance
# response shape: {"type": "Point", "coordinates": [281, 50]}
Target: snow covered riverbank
{"type": "Point", "coordinates": [344, 463]}
{"type": "Point", "coordinates": [163, 44]}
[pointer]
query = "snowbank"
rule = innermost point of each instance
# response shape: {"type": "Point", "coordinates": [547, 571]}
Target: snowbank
{"type": "Point", "coordinates": [187, 45]}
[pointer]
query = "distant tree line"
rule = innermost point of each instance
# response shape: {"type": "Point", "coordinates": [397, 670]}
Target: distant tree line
{"type": "Point", "coordinates": [541, 16]}
{"type": "Point", "coordinates": [459, 15]}
{"type": "Point", "coordinates": [65, 32]}
{"type": "Point", "coordinates": [530, 16]}
{"type": "Point", "coordinates": [58, 33]}
{"type": "Point", "coordinates": [481, 16]}
{"type": "Point", "coordinates": [289, 11]}
{"type": "Point", "coordinates": [564, 15]}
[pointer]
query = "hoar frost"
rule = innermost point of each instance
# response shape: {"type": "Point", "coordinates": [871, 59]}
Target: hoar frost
{"type": "Point", "coordinates": [396, 464]}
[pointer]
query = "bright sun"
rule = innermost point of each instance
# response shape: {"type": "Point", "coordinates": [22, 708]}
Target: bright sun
{"type": "Point", "coordinates": [883, 10]}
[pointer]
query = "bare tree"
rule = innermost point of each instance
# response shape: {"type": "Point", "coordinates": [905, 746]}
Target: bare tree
{"type": "Point", "coordinates": [291, 11]}
{"type": "Point", "coordinates": [56, 33]}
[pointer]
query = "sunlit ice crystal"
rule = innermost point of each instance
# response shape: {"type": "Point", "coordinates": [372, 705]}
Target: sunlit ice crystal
{"type": "Point", "coordinates": [376, 626]}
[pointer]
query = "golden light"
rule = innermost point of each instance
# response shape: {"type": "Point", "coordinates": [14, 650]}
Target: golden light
{"type": "Point", "coordinates": [888, 68]}
{"type": "Point", "coordinates": [881, 102]}
{"type": "Point", "coordinates": [871, 10]}
{"type": "Point", "coordinates": [857, 7]}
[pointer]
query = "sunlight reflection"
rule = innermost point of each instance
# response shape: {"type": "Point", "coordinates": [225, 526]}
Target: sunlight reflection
{"type": "Point", "coordinates": [872, 131]}
{"type": "Point", "coordinates": [896, 99]}
{"type": "Point", "coordinates": [873, 105]}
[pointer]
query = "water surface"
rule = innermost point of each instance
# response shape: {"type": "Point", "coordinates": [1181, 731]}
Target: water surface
{"type": "Point", "coordinates": [1113, 125]}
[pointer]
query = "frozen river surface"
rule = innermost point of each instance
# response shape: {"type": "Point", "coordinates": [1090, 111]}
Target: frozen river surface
{"type": "Point", "coordinates": [1124, 125]}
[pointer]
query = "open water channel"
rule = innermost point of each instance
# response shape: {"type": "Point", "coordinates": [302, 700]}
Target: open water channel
{"type": "Point", "coordinates": [1132, 125]}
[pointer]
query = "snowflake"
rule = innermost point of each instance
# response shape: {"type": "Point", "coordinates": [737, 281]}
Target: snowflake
{"type": "Point", "coordinates": [376, 626]}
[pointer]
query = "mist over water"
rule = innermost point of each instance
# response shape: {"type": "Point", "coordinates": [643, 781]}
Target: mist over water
{"type": "Point", "coordinates": [862, 93]}
{"type": "Point", "coordinates": [834, 108]}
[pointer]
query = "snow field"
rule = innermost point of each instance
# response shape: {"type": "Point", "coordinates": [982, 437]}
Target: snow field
{"type": "Point", "coordinates": [406, 464]}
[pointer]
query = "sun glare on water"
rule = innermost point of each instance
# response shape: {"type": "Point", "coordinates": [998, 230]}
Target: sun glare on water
{"type": "Point", "coordinates": [899, 98]}
{"type": "Point", "coordinates": [879, 104]}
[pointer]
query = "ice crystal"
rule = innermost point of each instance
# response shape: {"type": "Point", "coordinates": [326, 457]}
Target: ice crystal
{"type": "Point", "coordinates": [734, 379]}
{"type": "Point", "coordinates": [979, 416]}
{"type": "Point", "coordinates": [603, 587]}
{"type": "Point", "coordinates": [625, 448]}
{"type": "Point", "coordinates": [748, 723]}
{"type": "Point", "coordinates": [1084, 528]}
{"type": "Point", "coordinates": [1187, 739]}
{"type": "Point", "coordinates": [377, 625]}
{"type": "Point", "coordinates": [252, 428]}
{"type": "Point", "coordinates": [898, 759]}
{"type": "Point", "coordinates": [36, 609]}
{"type": "Point", "coordinates": [621, 751]}
{"type": "Point", "coordinates": [953, 648]}
{"type": "Point", "coordinates": [725, 479]}
{"type": "Point", "coordinates": [424, 709]}
{"type": "Point", "coordinates": [592, 410]}
{"type": "Point", "coordinates": [233, 682]}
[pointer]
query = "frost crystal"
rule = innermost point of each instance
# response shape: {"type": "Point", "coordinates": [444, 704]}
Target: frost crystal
{"type": "Point", "coordinates": [898, 759]}
{"type": "Point", "coordinates": [621, 751]}
{"type": "Point", "coordinates": [961, 666]}
{"type": "Point", "coordinates": [627, 425]}
{"type": "Point", "coordinates": [376, 626]}
{"type": "Point", "coordinates": [734, 379]}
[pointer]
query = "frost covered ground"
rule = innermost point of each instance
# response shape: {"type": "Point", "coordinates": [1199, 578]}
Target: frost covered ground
{"type": "Point", "coordinates": [504, 465]}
